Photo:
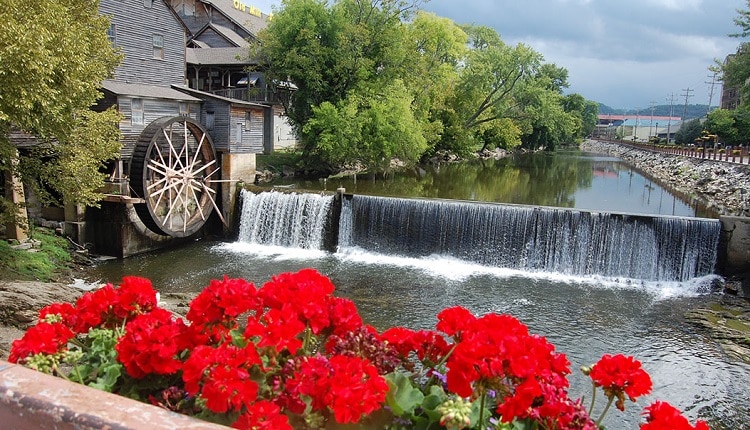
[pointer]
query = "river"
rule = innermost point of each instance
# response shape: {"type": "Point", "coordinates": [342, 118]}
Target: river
{"type": "Point", "coordinates": [585, 316]}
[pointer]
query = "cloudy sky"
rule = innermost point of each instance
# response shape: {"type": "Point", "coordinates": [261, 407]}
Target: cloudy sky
{"type": "Point", "coordinates": [625, 54]}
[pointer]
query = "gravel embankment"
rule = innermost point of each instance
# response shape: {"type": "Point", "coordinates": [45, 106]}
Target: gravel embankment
{"type": "Point", "coordinates": [722, 186]}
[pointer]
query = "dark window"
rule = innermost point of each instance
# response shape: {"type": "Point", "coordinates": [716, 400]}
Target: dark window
{"type": "Point", "coordinates": [111, 34]}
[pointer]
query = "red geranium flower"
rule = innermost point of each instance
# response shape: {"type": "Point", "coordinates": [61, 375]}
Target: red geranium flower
{"type": "Point", "coordinates": [663, 416]}
{"type": "Point", "coordinates": [276, 328]}
{"type": "Point", "coordinates": [94, 309]}
{"type": "Point", "coordinates": [43, 338]}
{"type": "Point", "coordinates": [307, 293]}
{"type": "Point", "coordinates": [262, 415]}
{"type": "Point", "coordinates": [452, 320]}
{"type": "Point", "coordinates": [135, 296]}
{"type": "Point", "coordinates": [349, 387]}
{"type": "Point", "coordinates": [151, 343]}
{"type": "Point", "coordinates": [66, 312]}
{"type": "Point", "coordinates": [619, 375]}
{"type": "Point", "coordinates": [222, 376]}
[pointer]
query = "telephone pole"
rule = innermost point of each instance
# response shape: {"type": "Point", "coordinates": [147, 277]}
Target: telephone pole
{"type": "Point", "coordinates": [671, 112]}
{"type": "Point", "coordinates": [687, 95]}
{"type": "Point", "coordinates": [711, 92]}
{"type": "Point", "coordinates": [651, 124]}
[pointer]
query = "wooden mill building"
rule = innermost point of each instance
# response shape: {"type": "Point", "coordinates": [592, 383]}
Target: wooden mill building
{"type": "Point", "coordinates": [195, 114]}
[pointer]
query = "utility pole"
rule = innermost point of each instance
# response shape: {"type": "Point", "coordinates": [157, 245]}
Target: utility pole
{"type": "Point", "coordinates": [687, 95]}
{"type": "Point", "coordinates": [671, 112]}
{"type": "Point", "coordinates": [637, 118]}
{"type": "Point", "coordinates": [651, 124]}
{"type": "Point", "coordinates": [711, 92]}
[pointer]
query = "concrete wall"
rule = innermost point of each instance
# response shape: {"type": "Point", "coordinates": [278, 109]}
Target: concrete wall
{"type": "Point", "coordinates": [31, 400]}
{"type": "Point", "coordinates": [734, 250]}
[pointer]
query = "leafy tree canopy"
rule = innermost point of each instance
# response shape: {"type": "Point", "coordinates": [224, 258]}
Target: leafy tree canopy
{"type": "Point", "coordinates": [450, 87]}
{"type": "Point", "coordinates": [53, 58]}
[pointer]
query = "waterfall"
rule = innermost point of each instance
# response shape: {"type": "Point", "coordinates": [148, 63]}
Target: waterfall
{"type": "Point", "coordinates": [526, 238]}
{"type": "Point", "coordinates": [294, 220]}
{"type": "Point", "coordinates": [534, 238]}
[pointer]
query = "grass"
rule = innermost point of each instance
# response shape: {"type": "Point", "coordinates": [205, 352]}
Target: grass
{"type": "Point", "coordinates": [278, 159]}
{"type": "Point", "coordinates": [48, 263]}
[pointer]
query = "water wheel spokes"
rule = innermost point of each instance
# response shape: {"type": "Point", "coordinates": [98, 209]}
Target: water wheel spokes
{"type": "Point", "coordinates": [173, 168]}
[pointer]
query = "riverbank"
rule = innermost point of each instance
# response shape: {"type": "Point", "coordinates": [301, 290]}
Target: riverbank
{"type": "Point", "coordinates": [723, 187]}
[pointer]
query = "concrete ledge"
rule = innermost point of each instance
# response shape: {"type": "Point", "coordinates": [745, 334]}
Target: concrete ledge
{"type": "Point", "coordinates": [36, 401]}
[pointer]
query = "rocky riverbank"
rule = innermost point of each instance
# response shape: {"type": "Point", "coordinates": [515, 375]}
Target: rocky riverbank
{"type": "Point", "coordinates": [723, 187]}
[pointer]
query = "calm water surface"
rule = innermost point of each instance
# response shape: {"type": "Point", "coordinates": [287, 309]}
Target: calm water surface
{"type": "Point", "coordinates": [567, 179]}
{"type": "Point", "coordinates": [583, 317]}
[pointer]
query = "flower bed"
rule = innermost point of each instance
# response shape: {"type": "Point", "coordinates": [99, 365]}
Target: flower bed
{"type": "Point", "coordinates": [292, 355]}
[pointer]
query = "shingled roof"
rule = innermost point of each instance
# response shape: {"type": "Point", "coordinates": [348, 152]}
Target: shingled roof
{"type": "Point", "coordinates": [146, 91]}
{"type": "Point", "coordinates": [225, 32]}
{"type": "Point", "coordinates": [252, 23]}
{"type": "Point", "coordinates": [218, 56]}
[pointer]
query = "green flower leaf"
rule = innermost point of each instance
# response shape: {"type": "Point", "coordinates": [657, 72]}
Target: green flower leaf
{"type": "Point", "coordinates": [402, 397]}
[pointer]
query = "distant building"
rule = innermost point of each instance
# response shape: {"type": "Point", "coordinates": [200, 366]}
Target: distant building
{"type": "Point", "coordinates": [730, 95]}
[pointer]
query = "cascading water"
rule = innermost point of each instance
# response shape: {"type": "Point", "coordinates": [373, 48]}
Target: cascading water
{"type": "Point", "coordinates": [534, 238]}
{"type": "Point", "coordinates": [296, 220]}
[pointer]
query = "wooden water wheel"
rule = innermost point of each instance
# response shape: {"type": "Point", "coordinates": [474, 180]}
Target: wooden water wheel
{"type": "Point", "coordinates": [174, 169]}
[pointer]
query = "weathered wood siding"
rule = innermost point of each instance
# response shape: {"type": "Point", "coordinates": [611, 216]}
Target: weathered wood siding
{"type": "Point", "coordinates": [246, 131]}
{"type": "Point", "coordinates": [215, 117]}
{"type": "Point", "coordinates": [214, 39]}
{"type": "Point", "coordinates": [135, 25]}
{"type": "Point", "coordinates": [152, 110]}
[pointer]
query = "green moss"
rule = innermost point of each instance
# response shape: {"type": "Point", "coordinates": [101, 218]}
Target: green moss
{"type": "Point", "coordinates": [716, 307]}
{"type": "Point", "coordinates": [51, 258]}
{"type": "Point", "coordinates": [738, 325]}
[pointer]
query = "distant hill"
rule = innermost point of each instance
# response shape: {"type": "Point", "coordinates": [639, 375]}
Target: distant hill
{"type": "Point", "coordinates": [693, 111]}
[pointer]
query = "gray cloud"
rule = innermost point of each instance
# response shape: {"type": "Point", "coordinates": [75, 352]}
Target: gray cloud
{"type": "Point", "coordinates": [623, 54]}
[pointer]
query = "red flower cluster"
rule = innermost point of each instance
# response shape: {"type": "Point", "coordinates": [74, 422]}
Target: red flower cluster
{"type": "Point", "coordinates": [619, 375]}
{"type": "Point", "coordinates": [105, 307]}
{"type": "Point", "coordinates": [43, 338]}
{"type": "Point", "coordinates": [663, 416]}
{"type": "Point", "coordinates": [497, 352]}
{"type": "Point", "coordinates": [290, 354]}
{"type": "Point", "coordinates": [151, 344]}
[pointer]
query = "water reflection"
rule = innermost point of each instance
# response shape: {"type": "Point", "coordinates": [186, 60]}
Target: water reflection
{"type": "Point", "coordinates": [560, 179]}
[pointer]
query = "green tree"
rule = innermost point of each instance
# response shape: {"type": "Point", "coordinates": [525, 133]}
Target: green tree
{"type": "Point", "coordinates": [370, 126]}
{"type": "Point", "coordinates": [688, 132]}
{"type": "Point", "coordinates": [436, 48]}
{"type": "Point", "coordinates": [485, 110]}
{"type": "Point", "coordinates": [736, 70]}
{"type": "Point", "coordinates": [332, 53]}
{"type": "Point", "coordinates": [53, 58]}
{"type": "Point", "coordinates": [721, 123]}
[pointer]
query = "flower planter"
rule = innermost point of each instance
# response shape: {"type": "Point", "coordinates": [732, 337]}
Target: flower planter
{"type": "Point", "coordinates": [34, 400]}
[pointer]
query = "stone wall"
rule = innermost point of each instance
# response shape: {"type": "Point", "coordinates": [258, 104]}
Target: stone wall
{"type": "Point", "coordinates": [723, 186]}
